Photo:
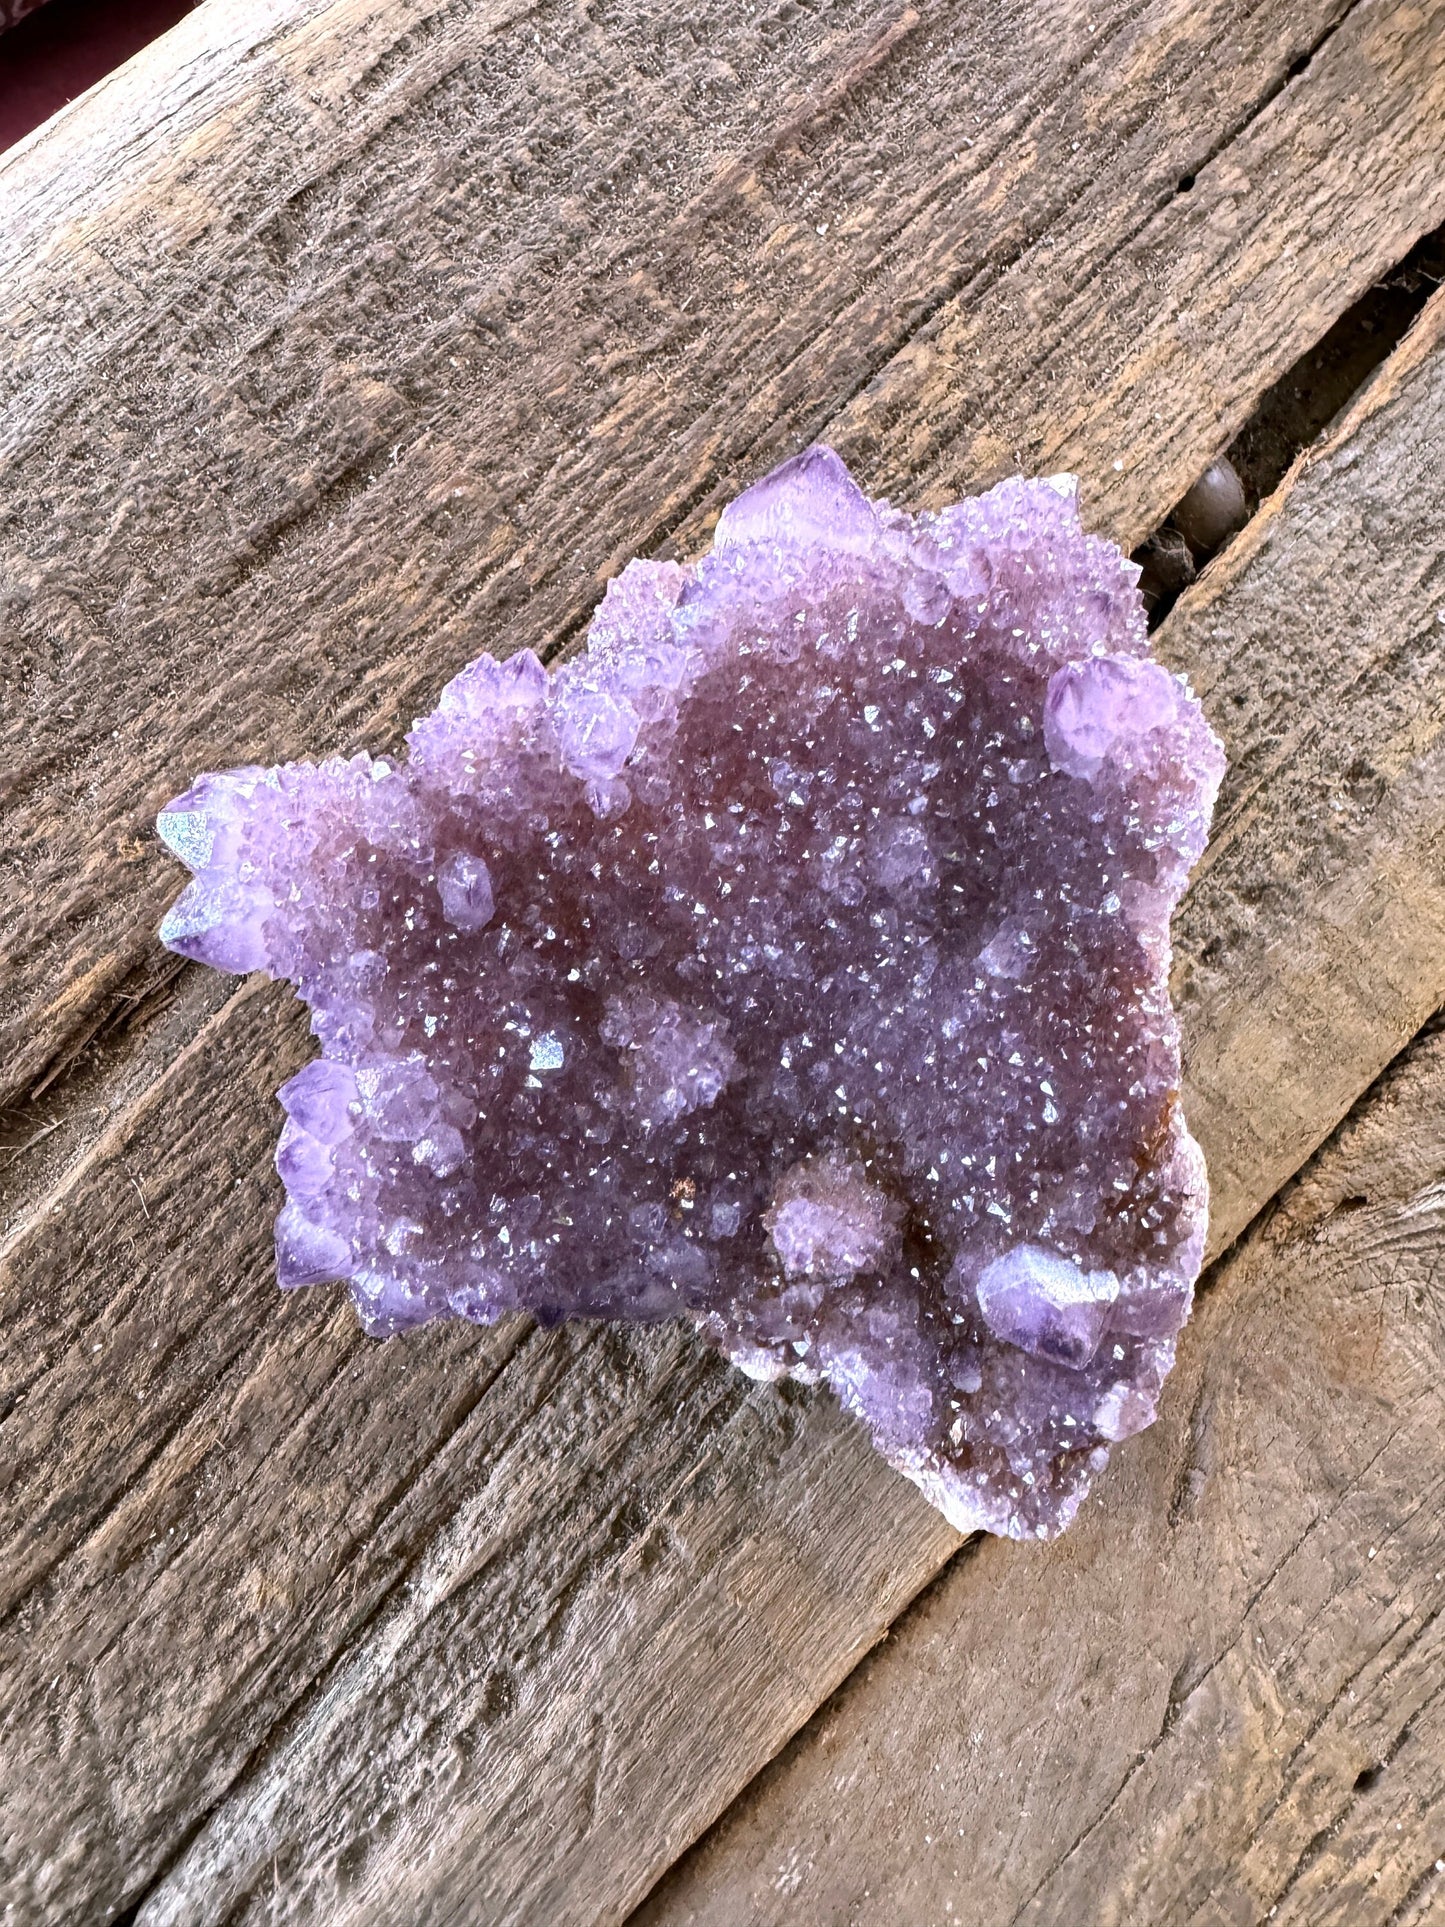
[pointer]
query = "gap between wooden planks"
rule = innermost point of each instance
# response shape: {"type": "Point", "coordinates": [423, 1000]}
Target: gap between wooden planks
{"type": "Point", "coordinates": [399, 327]}
{"type": "Point", "coordinates": [311, 1488]}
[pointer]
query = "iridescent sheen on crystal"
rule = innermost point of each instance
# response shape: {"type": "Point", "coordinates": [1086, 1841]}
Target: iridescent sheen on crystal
{"type": "Point", "coordinates": [793, 960]}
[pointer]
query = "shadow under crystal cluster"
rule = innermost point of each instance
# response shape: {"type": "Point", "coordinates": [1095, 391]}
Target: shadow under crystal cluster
{"type": "Point", "coordinates": [794, 960]}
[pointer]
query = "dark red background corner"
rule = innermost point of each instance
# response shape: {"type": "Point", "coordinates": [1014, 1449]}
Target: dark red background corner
{"type": "Point", "coordinates": [62, 47]}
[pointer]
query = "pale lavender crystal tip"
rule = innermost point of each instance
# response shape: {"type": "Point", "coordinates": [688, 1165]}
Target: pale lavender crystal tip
{"type": "Point", "coordinates": [794, 960]}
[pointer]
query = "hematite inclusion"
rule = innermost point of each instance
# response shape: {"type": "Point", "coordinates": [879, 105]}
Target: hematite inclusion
{"type": "Point", "coordinates": [794, 960]}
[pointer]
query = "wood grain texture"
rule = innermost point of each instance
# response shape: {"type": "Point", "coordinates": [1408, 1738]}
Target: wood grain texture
{"type": "Point", "coordinates": [389, 330]}
{"type": "Point", "coordinates": [386, 327]}
{"type": "Point", "coordinates": [1221, 1697]}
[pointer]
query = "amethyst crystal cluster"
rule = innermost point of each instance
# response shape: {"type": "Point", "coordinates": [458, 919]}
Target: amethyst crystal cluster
{"type": "Point", "coordinates": [794, 960]}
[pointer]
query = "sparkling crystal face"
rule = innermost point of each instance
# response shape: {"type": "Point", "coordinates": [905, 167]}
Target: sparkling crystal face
{"type": "Point", "coordinates": [794, 960]}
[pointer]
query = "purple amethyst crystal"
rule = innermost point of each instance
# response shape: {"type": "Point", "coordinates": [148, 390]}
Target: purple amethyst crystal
{"type": "Point", "coordinates": [794, 960]}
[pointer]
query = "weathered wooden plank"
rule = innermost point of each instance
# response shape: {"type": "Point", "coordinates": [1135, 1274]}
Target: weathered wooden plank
{"type": "Point", "coordinates": [1392, 716]}
{"type": "Point", "coordinates": [1220, 1698]}
{"type": "Point", "coordinates": [398, 326]}
{"type": "Point", "coordinates": [691, 1719]}
{"type": "Point", "coordinates": [367, 1629]}
{"type": "Point", "coordinates": [609, 1634]}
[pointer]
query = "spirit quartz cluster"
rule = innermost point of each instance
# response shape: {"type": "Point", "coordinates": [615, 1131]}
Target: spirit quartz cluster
{"type": "Point", "coordinates": [793, 960]}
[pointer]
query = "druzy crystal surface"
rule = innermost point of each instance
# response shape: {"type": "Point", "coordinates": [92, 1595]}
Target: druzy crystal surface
{"type": "Point", "coordinates": [794, 960]}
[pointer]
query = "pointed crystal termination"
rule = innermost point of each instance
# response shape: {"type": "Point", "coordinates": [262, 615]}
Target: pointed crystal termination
{"type": "Point", "coordinates": [794, 960]}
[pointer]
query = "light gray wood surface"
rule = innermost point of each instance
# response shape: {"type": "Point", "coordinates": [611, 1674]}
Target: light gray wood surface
{"type": "Point", "coordinates": [344, 339]}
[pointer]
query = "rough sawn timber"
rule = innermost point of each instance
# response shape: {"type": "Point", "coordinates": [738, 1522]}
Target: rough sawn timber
{"type": "Point", "coordinates": [564, 1592]}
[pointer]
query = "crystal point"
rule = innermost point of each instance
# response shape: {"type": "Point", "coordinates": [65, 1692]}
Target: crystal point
{"type": "Point", "coordinates": [793, 960]}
